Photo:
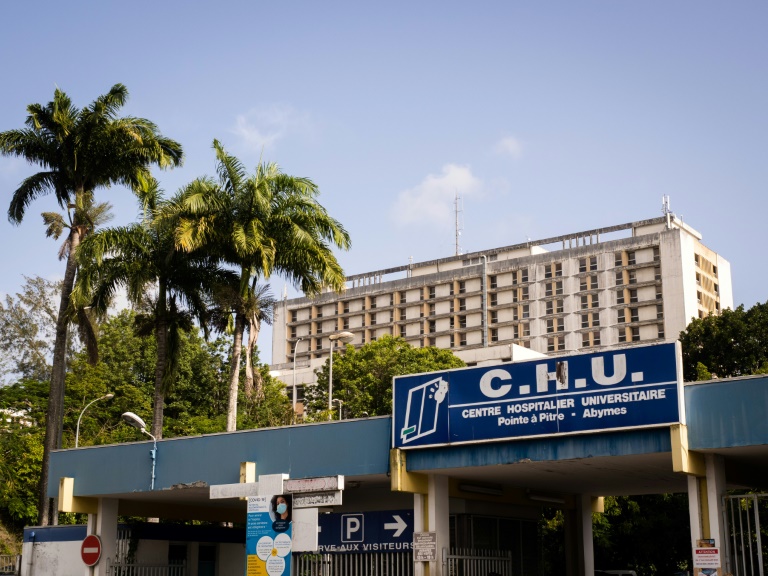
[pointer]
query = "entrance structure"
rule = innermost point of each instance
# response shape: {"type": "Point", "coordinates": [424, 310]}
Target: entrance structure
{"type": "Point", "coordinates": [722, 445]}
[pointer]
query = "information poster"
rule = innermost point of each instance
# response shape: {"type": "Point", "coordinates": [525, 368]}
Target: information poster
{"type": "Point", "coordinates": [706, 558]}
{"type": "Point", "coordinates": [268, 536]}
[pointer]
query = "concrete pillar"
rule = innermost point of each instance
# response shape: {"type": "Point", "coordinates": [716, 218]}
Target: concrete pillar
{"type": "Point", "coordinates": [585, 552]}
{"type": "Point", "coordinates": [694, 509]}
{"type": "Point", "coordinates": [715, 491]}
{"type": "Point", "coordinates": [420, 524]}
{"type": "Point", "coordinates": [104, 524]}
{"type": "Point", "coordinates": [439, 519]}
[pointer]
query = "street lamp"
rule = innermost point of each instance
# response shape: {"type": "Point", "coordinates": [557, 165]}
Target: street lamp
{"type": "Point", "coordinates": [295, 350]}
{"type": "Point", "coordinates": [344, 337]}
{"type": "Point", "coordinates": [77, 430]}
{"type": "Point", "coordinates": [136, 422]}
{"type": "Point", "coordinates": [341, 403]}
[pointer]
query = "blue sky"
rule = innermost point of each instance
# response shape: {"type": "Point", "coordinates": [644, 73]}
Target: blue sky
{"type": "Point", "coordinates": [547, 117]}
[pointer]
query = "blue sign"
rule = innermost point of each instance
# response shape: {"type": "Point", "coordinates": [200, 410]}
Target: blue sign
{"type": "Point", "coordinates": [628, 388]}
{"type": "Point", "coordinates": [268, 540]}
{"type": "Point", "coordinates": [388, 531]}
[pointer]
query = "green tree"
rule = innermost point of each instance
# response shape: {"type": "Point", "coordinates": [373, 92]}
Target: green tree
{"type": "Point", "coordinates": [27, 326]}
{"type": "Point", "coordinates": [79, 151]}
{"type": "Point", "coordinates": [262, 224]}
{"type": "Point", "coordinates": [143, 257]}
{"type": "Point", "coordinates": [732, 343]}
{"type": "Point", "coordinates": [362, 378]}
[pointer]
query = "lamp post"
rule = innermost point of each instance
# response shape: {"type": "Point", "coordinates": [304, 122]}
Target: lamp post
{"type": "Point", "coordinates": [341, 403]}
{"type": "Point", "coordinates": [295, 350]}
{"type": "Point", "coordinates": [344, 337]}
{"type": "Point", "coordinates": [77, 430]}
{"type": "Point", "coordinates": [136, 422]}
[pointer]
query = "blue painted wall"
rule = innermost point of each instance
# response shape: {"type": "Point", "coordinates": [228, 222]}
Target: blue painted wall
{"type": "Point", "coordinates": [348, 447]}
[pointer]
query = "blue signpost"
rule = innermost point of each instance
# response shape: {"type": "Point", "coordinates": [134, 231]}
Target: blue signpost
{"type": "Point", "coordinates": [380, 531]}
{"type": "Point", "coordinates": [629, 388]}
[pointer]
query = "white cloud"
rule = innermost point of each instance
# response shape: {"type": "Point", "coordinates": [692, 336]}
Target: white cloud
{"type": "Point", "coordinates": [509, 146]}
{"type": "Point", "coordinates": [432, 201]}
{"type": "Point", "coordinates": [262, 128]}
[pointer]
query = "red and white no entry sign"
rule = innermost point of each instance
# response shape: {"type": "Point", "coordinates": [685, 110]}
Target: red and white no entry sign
{"type": "Point", "coordinates": [90, 550]}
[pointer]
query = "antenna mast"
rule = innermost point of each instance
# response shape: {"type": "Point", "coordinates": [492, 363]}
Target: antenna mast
{"type": "Point", "coordinates": [665, 209]}
{"type": "Point", "coordinates": [458, 228]}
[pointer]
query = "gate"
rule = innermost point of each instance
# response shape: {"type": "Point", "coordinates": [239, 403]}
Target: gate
{"type": "Point", "coordinates": [743, 541]}
{"type": "Point", "coordinates": [137, 569]}
{"type": "Point", "coordinates": [470, 562]}
{"type": "Point", "coordinates": [356, 564]}
{"type": "Point", "coordinates": [10, 564]}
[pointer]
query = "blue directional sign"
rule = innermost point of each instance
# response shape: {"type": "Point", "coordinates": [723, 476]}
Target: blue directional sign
{"type": "Point", "coordinates": [628, 388]}
{"type": "Point", "coordinates": [390, 530]}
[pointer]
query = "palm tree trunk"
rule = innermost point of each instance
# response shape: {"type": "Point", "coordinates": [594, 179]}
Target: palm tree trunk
{"type": "Point", "coordinates": [54, 422]}
{"type": "Point", "coordinates": [234, 372]}
{"type": "Point", "coordinates": [161, 337]}
{"type": "Point", "coordinates": [253, 385]}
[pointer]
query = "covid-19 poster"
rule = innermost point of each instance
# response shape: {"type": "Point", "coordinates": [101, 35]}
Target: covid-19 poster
{"type": "Point", "coordinates": [268, 536]}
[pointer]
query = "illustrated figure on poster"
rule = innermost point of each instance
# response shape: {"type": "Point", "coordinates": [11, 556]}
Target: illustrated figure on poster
{"type": "Point", "coordinates": [280, 511]}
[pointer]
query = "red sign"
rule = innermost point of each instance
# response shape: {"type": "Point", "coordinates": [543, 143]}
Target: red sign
{"type": "Point", "coordinates": [90, 550]}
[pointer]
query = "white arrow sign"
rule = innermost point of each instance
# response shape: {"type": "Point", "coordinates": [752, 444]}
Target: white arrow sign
{"type": "Point", "coordinates": [398, 525]}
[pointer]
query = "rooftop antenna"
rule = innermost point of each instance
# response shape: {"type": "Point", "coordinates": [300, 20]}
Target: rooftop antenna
{"type": "Point", "coordinates": [458, 227]}
{"type": "Point", "coordinates": [665, 209]}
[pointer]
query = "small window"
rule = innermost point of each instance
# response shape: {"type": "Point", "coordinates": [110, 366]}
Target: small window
{"type": "Point", "coordinates": [595, 319]}
{"type": "Point", "coordinates": [493, 282]}
{"type": "Point", "coordinates": [294, 315]}
{"type": "Point", "coordinates": [346, 323]}
{"type": "Point", "coordinates": [402, 331]}
{"type": "Point", "coordinates": [585, 320]}
{"type": "Point", "coordinates": [592, 263]}
{"type": "Point", "coordinates": [526, 329]}
{"type": "Point", "coordinates": [463, 340]}
{"type": "Point", "coordinates": [583, 264]}
{"type": "Point", "coordinates": [618, 259]}
{"type": "Point", "coordinates": [494, 335]}
{"type": "Point", "coordinates": [463, 304]}
{"type": "Point", "coordinates": [656, 254]}
{"type": "Point", "coordinates": [462, 287]}
{"type": "Point", "coordinates": [622, 334]}
{"type": "Point", "coordinates": [631, 259]}
{"type": "Point", "coordinates": [620, 278]}
{"type": "Point", "coordinates": [559, 269]}
{"type": "Point", "coordinates": [634, 316]}
{"type": "Point", "coordinates": [515, 313]}
{"type": "Point", "coordinates": [403, 298]}
{"type": "Point", "coordinates": [432, 292]}
{"type": "Point", "coordinates": [293, 332]}
{"type": "Point", "coordinates": [494, 317]}
{"type": "Point", "coordinates": [633, 296]}
{"type": "Point", "coordinates": [632, 277]}
{"type": "Point", "coordinates": [661, 330]}
{"type": "Point", "coordinates": [373, 303]}
{"type": "Point", "coordinates": [550, 307]}
{"type": "Point", "coordinates": [451, 322]}
{"type": "Point", "coordinates": [620, 297]}
{"type": "Point", "coordinates": [319, 313]}
{"type": "Point", "coordinates": [346, 307]}
{"type": "Point", "coordinates": [659, 311]}
{"type": "Point", "coordinates": [559, 306]}
{"type": "Point", "coordinates": [714, 270]}
{"type": "Point", "coordinates": [318, 343]}
{"type": "Point", "coordinates": [494, 300]}
{"type": "Point", "coordinates": [596, 339]}
{"type": "Point", "coordinates": [558, 288]}
{"type": "Point", "coordinates": [432, 327]}
{"type": "Point", "coordinates": [524, 293]}
{"type": "Point", "coordinates": [462, 321]}
{"type": "Point", "coordinates": [526, 311]}
{"type": "Point", "coordinates": [373, 319]}
{"type": "Point", "coordinates": [524, 275]}
{"type": "Point", "coordinates": [431, 309]}
{"type": "Point", "coordinates": [635, 334]}
{"type": "Point", "coordinates": [698, 297]}
{"type": "Point", "coordinates": [584, 302]}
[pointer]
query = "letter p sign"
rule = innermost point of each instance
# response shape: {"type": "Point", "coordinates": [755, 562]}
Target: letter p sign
{"type": "Point", "coordinates": [352, 528]}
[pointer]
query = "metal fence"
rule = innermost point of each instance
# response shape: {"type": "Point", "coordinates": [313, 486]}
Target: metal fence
{"type": "Point", "coordinates": [137, 569]}
{"type": "Point", "coordinates": [363, 564]}
{"type": "Point", "coordinates": [743, 541]}
{"type": "Point", "coordinates": [471, 562]}
{"type": "Point", "coordinates": [10, 564]}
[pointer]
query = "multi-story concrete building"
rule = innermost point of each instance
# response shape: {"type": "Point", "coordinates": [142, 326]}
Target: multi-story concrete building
{"type": "Point", "coordinates": [637, 282]}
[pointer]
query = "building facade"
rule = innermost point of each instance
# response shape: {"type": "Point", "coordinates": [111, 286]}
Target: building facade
{"type": "Point", "coordinates": [637, 282]}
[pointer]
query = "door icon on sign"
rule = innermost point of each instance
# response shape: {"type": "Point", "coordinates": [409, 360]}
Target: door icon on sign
{"type": "Point", "coordinates": [352, 528]}
{"type": "Point", "coordinates": [421, 411]}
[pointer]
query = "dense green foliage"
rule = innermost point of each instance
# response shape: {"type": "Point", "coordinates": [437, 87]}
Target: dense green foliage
{"type": "Point", "coordinates": [195, 405]}
{"type": "Point", "coordinates": [362, 377]}
{"type": "Point", "coordinates": [733, 343]}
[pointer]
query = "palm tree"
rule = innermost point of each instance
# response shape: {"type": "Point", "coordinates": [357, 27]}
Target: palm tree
{"type": "Point", "coordinates": [266, 223]}
{"type": "Point", "coordinates": [143, 257]}
{"type": "Point", "coordinates": [79, 151]}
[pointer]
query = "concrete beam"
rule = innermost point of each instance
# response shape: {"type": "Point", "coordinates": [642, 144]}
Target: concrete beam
{"type": "Point", "coordinates": [683, 460]}
{"type": "Point", "coordinates": [401, 479]}
{"type": "Point", "coordinates": [68, 502]}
